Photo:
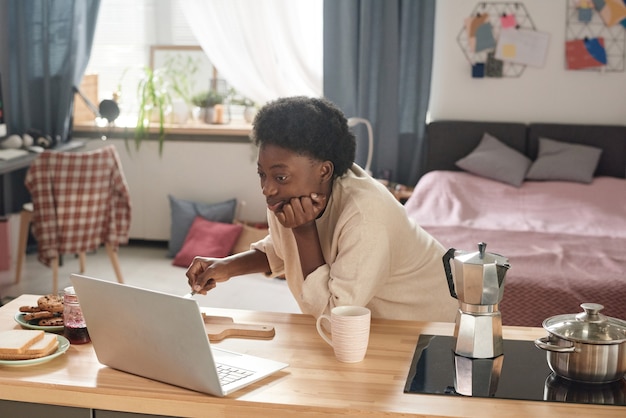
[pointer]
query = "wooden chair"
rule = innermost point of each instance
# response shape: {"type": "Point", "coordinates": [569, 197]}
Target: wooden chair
{"type": "Point", "coordinates": [80, 200]}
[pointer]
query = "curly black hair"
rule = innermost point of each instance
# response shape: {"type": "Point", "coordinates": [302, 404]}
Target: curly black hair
{"type": "Point", "coordinates": [313, 127]}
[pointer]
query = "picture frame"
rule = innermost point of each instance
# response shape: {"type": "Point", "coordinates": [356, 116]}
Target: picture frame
{"type": "Point", "coordinates": [204, 79]}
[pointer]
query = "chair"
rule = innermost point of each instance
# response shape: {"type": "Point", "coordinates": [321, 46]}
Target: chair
{"type": "Point", "coordinates": [80, 200]}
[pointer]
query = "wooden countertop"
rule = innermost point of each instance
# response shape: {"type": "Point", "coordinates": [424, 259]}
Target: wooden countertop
{"type": "Point", "coordinates": [314, 384]}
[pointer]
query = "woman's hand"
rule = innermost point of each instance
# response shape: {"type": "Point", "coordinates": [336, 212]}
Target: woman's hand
{"type": "Point", "coordinates": [301, 211]}
{"type": "Point", "coordinates": [204, 273]}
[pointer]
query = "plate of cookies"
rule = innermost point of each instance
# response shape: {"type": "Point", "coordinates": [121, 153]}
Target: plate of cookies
{"type": "Point", "coordinates": [46, 316]}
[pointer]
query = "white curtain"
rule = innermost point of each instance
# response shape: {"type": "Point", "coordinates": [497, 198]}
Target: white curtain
{"type": "Point", "coordinates": [265, 49]}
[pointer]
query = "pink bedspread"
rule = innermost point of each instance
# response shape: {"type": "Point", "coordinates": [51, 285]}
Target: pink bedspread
{"type": "Point", "coordinates": [566, 242]}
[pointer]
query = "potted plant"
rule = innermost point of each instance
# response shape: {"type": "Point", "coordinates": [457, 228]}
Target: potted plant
{"type": "Point", "coordinates": [154, 104]}
{"type": "Point", "coordinates": [249, 111]}
{"type": "Point", "coordinates": [157, 91]}
{"type": "Point", "coordinates": [209, 106]}
{"type": "Point", "coordinates": [249, 107]}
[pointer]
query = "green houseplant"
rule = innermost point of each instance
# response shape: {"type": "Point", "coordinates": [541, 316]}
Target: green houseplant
{"type": "Point", "coordinates": [156, 90]}
{"type": "Point", "coordinates": [154, 104]}
{"type": "Point", "coordinates": [206, 103]}
{"type": "Point", "coordinates": [249, 107]}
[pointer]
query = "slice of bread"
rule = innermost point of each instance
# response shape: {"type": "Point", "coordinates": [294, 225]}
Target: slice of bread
{"type": "Point", "coordinates": [16, 341]}
{"type": "Point", "coordinates": [47, 345]}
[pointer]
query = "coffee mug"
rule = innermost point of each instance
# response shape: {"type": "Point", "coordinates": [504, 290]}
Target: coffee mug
{"type": "Point", "coordinates": [350, 329]}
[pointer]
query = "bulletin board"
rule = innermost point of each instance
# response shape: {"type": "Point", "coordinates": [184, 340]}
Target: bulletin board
{"type": "Point", "coordinates": [595, 37]}
{"type": "Point", "coordinates": [502, 19]}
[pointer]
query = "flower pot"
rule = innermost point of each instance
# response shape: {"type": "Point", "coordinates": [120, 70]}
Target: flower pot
{"type": "Point", "coordinates": [249, 113]}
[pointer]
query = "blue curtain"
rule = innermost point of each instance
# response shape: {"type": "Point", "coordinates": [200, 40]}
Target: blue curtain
{"type": "Point", "coordinates": [44, 50]}
{"type": "Point", "coordinates": [377, 65]}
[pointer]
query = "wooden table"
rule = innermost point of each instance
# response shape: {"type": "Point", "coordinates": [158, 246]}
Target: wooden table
{"type": "Point", "coordinates": [315, 384]}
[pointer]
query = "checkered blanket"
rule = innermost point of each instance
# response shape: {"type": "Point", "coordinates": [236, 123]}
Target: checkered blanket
{"type": "Point", "coordinates": [81, 200]}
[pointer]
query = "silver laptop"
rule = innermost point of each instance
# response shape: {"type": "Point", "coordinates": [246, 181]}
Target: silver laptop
{"type": "Point", "coordinates": [161, 337]}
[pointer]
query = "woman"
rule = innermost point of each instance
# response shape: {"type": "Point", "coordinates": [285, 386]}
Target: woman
{"type": "Point", "coordinates": [337, 234]}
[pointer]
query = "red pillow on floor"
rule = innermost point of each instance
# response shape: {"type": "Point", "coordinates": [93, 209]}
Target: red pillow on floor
{"type": "Point", "coordinates": [208, 239]}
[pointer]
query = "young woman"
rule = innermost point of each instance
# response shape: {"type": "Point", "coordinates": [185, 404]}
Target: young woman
{"type": "Point", "coordinates": [337, 234]}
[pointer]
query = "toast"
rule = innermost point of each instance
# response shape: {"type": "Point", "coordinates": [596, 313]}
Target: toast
{"type": "Point", "coordinates": [17, 341]}
{"type": "Point", "coordinates": [45, 346]}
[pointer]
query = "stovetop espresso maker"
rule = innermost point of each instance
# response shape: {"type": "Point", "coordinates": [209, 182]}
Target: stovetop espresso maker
{"type": "Point", "coordinates": [476, 280]}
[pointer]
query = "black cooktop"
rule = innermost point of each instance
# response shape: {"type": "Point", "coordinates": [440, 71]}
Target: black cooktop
{"type": "Point", "coordinates": [524, 375]}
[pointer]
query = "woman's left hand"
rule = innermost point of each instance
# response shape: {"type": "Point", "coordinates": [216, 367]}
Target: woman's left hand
{"type": "Point", "coordinates": [300, 211]}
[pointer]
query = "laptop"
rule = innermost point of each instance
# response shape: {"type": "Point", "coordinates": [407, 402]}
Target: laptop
{"type": "Point", "coordinates": [162, 337]}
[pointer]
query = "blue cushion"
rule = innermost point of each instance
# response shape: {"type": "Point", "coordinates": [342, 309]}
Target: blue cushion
{"type": "Point", "coordinates": [183, 212]}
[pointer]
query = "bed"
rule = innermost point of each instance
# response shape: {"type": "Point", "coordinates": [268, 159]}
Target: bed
{"type": "Point", "coordinates": [564, 231]}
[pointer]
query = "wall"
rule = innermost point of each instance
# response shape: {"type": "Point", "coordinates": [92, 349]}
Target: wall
{"type": "Point", "coordinates": [549, 94]}
{"type": "Point", "coordinates": [208, 172]}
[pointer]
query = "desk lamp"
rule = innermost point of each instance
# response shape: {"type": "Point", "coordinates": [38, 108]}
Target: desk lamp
{"type": "Point", "coordinates": [107, 109]}
{"type": "Point", "coordinates": [370, 144]}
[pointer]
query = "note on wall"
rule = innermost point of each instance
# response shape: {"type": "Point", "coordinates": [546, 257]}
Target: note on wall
{"type": "Point", "coordinates": [611, 11]}
{"type": "Point", "coordinates": [479, 36]}
{"type": "Point", "coordinates": [508, 21]}
{"type": "Point", "coordinates": [597, 40]}
{"type": "Point", "coordinates": [523, 46]}
{"type": "Point", "coordinates": [585, 53]}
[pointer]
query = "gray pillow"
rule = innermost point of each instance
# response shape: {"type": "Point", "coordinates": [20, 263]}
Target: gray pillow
{"type": "Point", "coordinates": [564, 161]}
{"type": "Point", "coordinates": [497, 161]}
{"type": "Point", "coordinates": [183, 212]}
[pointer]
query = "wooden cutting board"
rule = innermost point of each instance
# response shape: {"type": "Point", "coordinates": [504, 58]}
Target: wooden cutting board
{"type": "Point", "coordinates": [220, 327]}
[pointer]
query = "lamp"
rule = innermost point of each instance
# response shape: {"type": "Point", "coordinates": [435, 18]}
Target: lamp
{"type": "Point", "coordinates": [370, 143]}
{"type": "Point", "coordinates": [108, 109]}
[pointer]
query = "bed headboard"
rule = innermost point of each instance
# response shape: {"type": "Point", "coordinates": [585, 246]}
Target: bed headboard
{"type": "Point", "coordinates": [449, 140]}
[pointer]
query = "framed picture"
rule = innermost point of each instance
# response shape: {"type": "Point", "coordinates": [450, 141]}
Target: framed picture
{"type": "Point", "coordinates": [202, 74]}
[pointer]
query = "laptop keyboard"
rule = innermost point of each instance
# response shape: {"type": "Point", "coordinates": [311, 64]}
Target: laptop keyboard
{"type": "Point", "coordinates": [229, 374]}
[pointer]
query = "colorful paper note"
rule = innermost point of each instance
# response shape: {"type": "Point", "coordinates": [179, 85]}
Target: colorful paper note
{"type": "Point", "coordinates": [478, 70]}
{"type": "Point", "coordinates": [612, 12]}
{"type": "Point", "coordinates": [585, 53]}
{"type": "Point", "coordinates": [523, 46]}
{"type": "Point", "coordinates": [508, 21]}
{"type": "Point", "coordinates": [493, 66]}
{"type": "Point", "coordinates": [479, 33]}
{"type": "Point", "coordinates": [484, 37]}
{"type": "Point", "coordinates": [585, 15]}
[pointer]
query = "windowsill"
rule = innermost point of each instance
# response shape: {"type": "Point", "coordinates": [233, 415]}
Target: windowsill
{"type": "Point", "coordinates": [195, 131]}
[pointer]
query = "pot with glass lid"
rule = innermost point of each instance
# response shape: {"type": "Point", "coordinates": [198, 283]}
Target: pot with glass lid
{"type": "Point", "coordinates": [586, 347]}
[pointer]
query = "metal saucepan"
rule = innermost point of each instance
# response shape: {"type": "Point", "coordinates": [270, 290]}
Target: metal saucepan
{"type": "Point", "coordinates": [586, 347]}
{"type": "Point", "coordinates": [563, 390]}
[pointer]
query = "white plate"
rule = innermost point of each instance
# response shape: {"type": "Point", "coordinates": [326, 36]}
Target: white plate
{"type": "Point", "coordinates": [64, 344]}
{"type": "Point", "coordinates": [19, 318]}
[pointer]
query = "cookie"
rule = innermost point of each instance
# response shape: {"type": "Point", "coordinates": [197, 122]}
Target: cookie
{"type": "Point", "coordinates": [51, 303]}
{"type": "Point", "coordinates": [51, 322]}
{"type": "Point", "coordinates": [38, 315]}
{"type": "Point", "coordinates": [30, 309]}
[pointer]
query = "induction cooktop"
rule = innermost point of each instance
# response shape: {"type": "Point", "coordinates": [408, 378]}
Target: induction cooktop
{"type": "Point", "coordinates": [521, 373]}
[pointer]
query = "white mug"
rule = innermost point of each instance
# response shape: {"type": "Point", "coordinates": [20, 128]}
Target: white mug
{"type": "Point", "coordinates": [350, 329]}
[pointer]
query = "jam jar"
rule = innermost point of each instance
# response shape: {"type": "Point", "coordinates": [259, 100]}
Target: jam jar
{"type": "Point", "coordinates": [75, 328]}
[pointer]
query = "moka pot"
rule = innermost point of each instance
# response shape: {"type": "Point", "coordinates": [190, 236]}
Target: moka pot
{"type": "Point", "coordinates": [476, 280]}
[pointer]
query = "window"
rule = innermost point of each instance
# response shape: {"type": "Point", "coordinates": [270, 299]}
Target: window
{"type": "Point", "coordinates": [125, 31]}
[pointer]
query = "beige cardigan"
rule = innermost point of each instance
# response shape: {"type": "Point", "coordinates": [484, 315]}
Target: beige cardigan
{"type": "Point", "coordinates": [375, 256]}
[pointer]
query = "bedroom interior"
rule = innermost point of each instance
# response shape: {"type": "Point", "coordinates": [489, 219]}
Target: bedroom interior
{"type": "Point", "coordinates": [550, 94]}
